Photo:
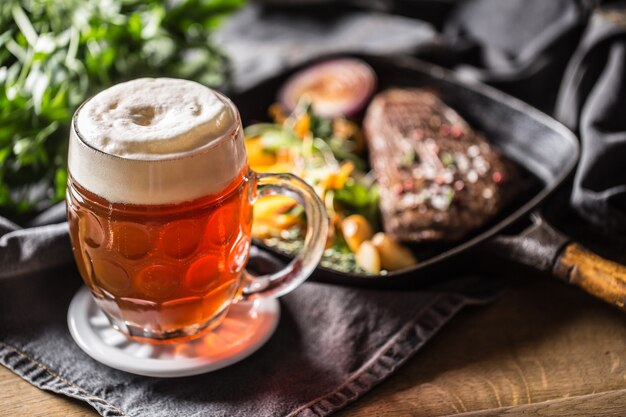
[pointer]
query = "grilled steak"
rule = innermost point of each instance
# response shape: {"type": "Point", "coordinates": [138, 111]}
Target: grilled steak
{"type": "Point", "coordinates": [439, 179]}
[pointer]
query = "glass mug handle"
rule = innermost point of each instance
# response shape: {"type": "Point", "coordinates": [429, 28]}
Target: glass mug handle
{"type": "Point", "coordinates": [298, 270]}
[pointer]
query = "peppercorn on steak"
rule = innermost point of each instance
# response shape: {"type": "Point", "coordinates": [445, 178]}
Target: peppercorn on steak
{"type": "Point", "coordinates": [439, 179]}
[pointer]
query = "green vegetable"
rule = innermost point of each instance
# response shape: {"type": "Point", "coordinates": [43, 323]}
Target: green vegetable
{"type": "Point", "coordinates": [55, 53]}
{"type": "Point", "coordinates": [337, 257]}
{"type": "Point", "coordinates": [409, 157]}
{"type": "Point", "coordinates": [320, 153]}
{"type": "Point", "coordinates": [357, 198]}
{"type": "Point", "coordinates": [274, 140]}
{"type": "Point", "coordinates": [344, 151]}
{"type": "Point", "coordinates": [320, 127]}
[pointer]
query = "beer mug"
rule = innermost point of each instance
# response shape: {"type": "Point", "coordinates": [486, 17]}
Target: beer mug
{"type": "Point", "coordinates": [159, 203]}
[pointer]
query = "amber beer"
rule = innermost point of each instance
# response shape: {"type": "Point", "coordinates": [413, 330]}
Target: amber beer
{"type": "Point", "coordinates": [156, 269]}
{"type": "Point", "coordinates": [160, 208]}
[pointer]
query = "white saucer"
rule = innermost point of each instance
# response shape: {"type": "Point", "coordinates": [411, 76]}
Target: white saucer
{"type": "Point", "coordinates": [244, 330]}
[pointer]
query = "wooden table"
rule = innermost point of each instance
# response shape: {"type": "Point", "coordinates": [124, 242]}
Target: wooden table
{"type": "Point", "coordinates": [543, 348]}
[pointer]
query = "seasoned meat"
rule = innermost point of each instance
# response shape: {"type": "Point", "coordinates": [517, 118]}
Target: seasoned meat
{"type": "Point", "coordinates": [439, 179]}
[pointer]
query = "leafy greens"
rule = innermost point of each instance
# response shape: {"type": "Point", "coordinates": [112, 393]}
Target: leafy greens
{"type": "Point", "coordinates": [55, 53]}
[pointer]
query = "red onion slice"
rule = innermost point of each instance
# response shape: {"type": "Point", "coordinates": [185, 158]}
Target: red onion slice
{"type": "Point", "coordinates": [340, 87]}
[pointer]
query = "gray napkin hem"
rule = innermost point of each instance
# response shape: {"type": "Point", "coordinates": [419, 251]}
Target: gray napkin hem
{"type": "Point", "coordinates": [389, 357]}
{"type": "Point", "coordinates": [41, 376]}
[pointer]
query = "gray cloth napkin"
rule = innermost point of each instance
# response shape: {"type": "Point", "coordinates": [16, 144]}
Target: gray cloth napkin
{"type": "Point", "coordinates": [261, 44]}
{"type": "Point", "coordinates": [43, 243]}
{"type": "Point", "coordinates": [332, 345]}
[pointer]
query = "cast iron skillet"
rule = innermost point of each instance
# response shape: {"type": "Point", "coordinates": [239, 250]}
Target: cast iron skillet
{"type": "Point", "coordinates": [544, 148]}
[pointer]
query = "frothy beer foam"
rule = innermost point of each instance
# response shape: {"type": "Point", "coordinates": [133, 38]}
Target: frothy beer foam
{"type": "Point", "coordinates": [156, 141]}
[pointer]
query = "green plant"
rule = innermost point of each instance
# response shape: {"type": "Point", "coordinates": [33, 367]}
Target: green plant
{"type": "Point", "coordinates": [55, 53]}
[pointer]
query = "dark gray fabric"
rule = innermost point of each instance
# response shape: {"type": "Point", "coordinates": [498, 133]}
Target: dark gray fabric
{"type": "Point", "coordinates": [593, 102]}
{"type": "Point", "coordinates": [332, 345]}
{"type": "Point", "coordinates": [45, 244]}
{"type": "Point", "coordinates": [521, 47]}
{"type": "Point", "coordinates": [261, 43]}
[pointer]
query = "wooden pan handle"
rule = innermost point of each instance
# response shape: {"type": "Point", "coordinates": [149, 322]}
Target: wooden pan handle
{"type": "Point", "coordinates": [600, 277]}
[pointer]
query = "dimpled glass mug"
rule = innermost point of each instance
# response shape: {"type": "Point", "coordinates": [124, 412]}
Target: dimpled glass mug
{"type": "Point", "coordinates": [160, 201]}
